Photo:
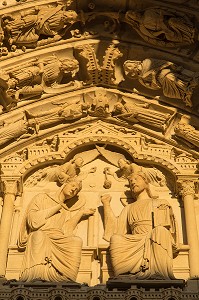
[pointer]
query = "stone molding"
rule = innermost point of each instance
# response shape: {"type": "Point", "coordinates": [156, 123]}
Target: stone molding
{"type": "Point", "coordinates": [95, 75]}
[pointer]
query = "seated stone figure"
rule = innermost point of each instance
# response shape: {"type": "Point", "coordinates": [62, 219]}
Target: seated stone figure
{"type": "Point", "coordinates": [143, 238]}
{"type": "Point", "coordinates": [52, 252]}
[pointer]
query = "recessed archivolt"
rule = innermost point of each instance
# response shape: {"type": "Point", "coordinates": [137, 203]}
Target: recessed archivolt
{"type": "Point", "coordinates": [76, 147]}
{"type": "Point", "coordinates": [112, 106]}
{"type": "Point", "coordinates": [124, 64]}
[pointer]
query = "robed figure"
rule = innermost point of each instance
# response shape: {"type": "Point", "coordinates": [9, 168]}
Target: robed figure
{"type": "Point", "coordinates": [52, 252]}
{"type": "Point", "coordinates": [143, 239]}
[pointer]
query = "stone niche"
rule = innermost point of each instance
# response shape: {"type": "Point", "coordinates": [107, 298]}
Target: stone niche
{"type": "Point", "coordinates": [99, 175]}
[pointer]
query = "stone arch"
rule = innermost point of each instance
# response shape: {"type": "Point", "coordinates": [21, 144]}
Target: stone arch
{"type": "Point", "coordinates": [75, 146]}
{"type": "Point", "coordinates": [107, 72]}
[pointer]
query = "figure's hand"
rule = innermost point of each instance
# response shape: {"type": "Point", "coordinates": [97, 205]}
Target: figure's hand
{"type": "Point", "coordinates": [107, 171]}
{"type": "Point", "coordinates": [88, 212]}
{"type": "Point", "coordinates": [106, 199]}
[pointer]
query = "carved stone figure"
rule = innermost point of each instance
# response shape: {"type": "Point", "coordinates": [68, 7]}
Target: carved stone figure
{"type": "Point", "coordinates": [162, 27]}
{"type": "Point", "coordinates": [143, 238]}
{"type": "Point", "coordinates": [26, 29]}
{"type": "Point", "coordinates": [19, 129]}
{"type": "Point", "coordinates": [127, 168]}
{"type": "Point", "coordinates": [63, 173]}
{"type": "Point", "coordinates": [188, 133]}
{"type": "Point", "coordinates": [141, 113]}
{"type": "Point", "coordinates": [64, 112]}
{"type": "Point", "coordinates": [52, 252]}
{"type": "Point", "coordinates": [99, 106]}
{"type": "Point", "coordinates": [175, 81]}
{"type": "Point", "coordinates": [35, 78]}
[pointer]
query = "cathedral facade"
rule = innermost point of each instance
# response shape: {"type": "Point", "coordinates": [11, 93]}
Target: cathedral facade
{"type": "Point", "coordinates": [99, 127]}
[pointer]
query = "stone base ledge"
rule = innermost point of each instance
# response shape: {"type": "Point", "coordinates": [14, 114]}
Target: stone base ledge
{"type": "Point", "coordinates": [125, 283]}
{"type": "Point", "coordinates": [43, 284]}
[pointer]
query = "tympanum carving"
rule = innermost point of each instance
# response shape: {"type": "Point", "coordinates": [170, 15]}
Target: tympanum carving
{"type": "Point", "coordinates": [98, 104]}
{"type": "Point", "coordinates": [34, 78]}
{"type": "Point", "coordinates": [162, 27]}
{"type": "Point", "coordinates": [155, 74]}
{"type": "Point", "coordinates": [29, 124]}
{"type": "Point", "coordinates": [187, 133]}
{"type": "Point", "coordinates": [26, 29]}
{"type": "Point", "coordinates": [22, 128]}
{"type": "Point", "coordinates": [52, 252]}
{"type": "Point", "coordinates": [141, 113]}
{"type": "Point", "coordinates": [62, 112]}
{"type": "Point", "coordinates": [60, 174]}
{"type": "Point", "coordinates": [143, 239]}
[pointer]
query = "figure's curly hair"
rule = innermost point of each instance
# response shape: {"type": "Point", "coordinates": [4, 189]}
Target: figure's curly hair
{"type": "Point", "coordinates": [131, 68]}
{"type": "Point", "coordinates": [69, 65]}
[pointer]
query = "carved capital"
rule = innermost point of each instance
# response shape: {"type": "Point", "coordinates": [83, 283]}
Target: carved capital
{"type": "Point", "coordinates": [186, 187]}
{"type": "Point", "coordinates": [10, 187]}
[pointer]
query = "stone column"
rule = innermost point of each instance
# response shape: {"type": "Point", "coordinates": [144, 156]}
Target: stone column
{"type": "Point", "coordinates": [188, 192]}
{"type": "Point", "coordinates": [1, 207]}
{"type": "Point", "coordinates": [10, 191]}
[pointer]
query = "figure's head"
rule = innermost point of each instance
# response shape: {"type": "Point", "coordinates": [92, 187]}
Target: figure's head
{"type": "Point", "coordinates": [69, 66]}
{"type": "Point", "coordinates": [119, 108]}
{"type": "Point", "coordinates": [12, 83]}
{"type": "Point", "coordinates": [70, 16]}
{"type": "Point", "coordinates": [133, 16]}
{"type": "Point", "coordinates": [122, 163]}
{"type": "Point", "coordinates": [138, 183]}
{"type": "Point", "coordinates": [71, 189]}
{"type": "Point", "coordinates": [79, 162]}
{"type": "Point", "coordinates": [132, 68]}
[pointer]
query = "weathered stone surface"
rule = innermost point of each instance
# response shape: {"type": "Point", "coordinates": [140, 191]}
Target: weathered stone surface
{"type": "Point", "coordinates": [73, 111]}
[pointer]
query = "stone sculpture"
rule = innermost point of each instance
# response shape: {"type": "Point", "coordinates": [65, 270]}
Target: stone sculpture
{"type": "Point", "coordinates": [64, 173]}
{"type": "Point", "coordinates": [52, 252]}
{"type": "Point", "coordinates": [127, 168]}
{"type": "Point", "coordinates": [162, 27]}
{"type": "Point", "coordinates": [143, 239]}
{"type": "Point", "coordinates": [188, 133]}
{"type": "Point", "coordinates": [29, 124]}
{"type": "Point", "coordinates": [34, 78]}
{"type": "Point", "coordinates": [26, 29]}
{"type": "Point", "coordinates": [175, 81]}
{"type": "Point", "coordinates": [141, 113]}
{"type": "Point", "coordinates": [63, 112]}
{"type": "Point", "coordinates": [100, 106]}
{"type": "Point", "coordinates": [21, 128]}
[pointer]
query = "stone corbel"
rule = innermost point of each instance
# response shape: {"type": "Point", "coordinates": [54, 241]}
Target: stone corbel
{"type": "Point", "coordinates": [187, 189]}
